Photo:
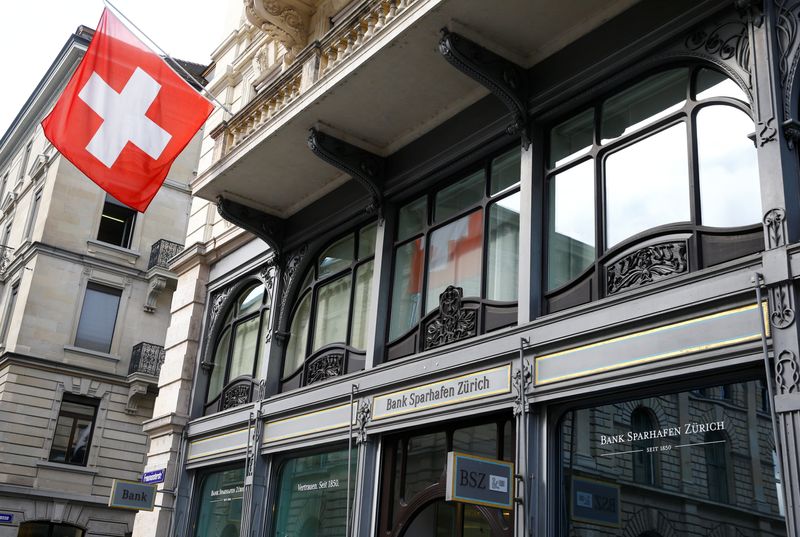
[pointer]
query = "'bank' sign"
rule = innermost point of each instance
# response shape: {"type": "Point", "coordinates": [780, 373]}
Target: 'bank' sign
{"type": "Point", "coordinates": [132, 495]}
{"type": "Point", "coordinates": [481, 481]}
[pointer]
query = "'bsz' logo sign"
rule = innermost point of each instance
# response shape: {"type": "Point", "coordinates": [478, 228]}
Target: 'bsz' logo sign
{"type": "Point", "coordinates": [479, 480]}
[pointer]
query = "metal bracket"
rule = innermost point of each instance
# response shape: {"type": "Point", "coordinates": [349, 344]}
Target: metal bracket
{"type": "Point", "coordinates": [504, 78]}
{"type": "Point", "coordinates": [365, 167]}
{"type": "Point", "coordinates": [266, 227]}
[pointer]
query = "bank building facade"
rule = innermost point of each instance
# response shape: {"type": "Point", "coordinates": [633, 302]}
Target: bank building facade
{"type": "Point", "coordinates": [561, 235]}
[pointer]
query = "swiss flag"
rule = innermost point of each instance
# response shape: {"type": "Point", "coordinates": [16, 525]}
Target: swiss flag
{"type": "Point", "coordinates": [125, 115]}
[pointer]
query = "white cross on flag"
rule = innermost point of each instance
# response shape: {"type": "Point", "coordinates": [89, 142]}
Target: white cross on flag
{"type": "Point", "coordinates": [125, 115]}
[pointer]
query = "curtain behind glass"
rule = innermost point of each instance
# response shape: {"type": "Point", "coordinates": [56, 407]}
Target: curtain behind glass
{"type": "Point", "coordinates": [406, 287]}
{"type": "Point", "coordinates": [361, 304]}
{"type": "Point", "coordinates": [502, 260]}
{"type": "Point", "coordinates": [298, 337]}
{"type": "Point", "coordinates": [333, 312]}
{"type": "Point", "coordinates": [245, 342]}
{"type": "Point", "coordinates": [98, 317]}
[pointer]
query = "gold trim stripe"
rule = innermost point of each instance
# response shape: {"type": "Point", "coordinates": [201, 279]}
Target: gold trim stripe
{"type": "Point", "coordinates": [656, 357]}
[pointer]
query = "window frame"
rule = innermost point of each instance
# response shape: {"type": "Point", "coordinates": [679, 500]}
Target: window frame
{"type": "Point", "coordinates": [693, 231]}
{"type": "Point", "coordinates": [195, 501]}
{"type": "Point", "coordinates": [129, 223]}
{"type": "Point", "coordinates": [101, 288]}
{"type": "Point", "coordinates": [396, 348]}
{"type": "Point", "coordinates": [76, 400]}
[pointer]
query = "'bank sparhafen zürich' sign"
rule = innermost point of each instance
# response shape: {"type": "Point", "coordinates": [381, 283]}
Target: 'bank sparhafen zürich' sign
{"type": "Point", "coordinates": [444, 392]}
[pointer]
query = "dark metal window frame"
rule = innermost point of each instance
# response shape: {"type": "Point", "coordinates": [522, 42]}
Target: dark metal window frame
{"type": "Point", "coordinates": [217, 403]}
{"type": "Point", "coordinates": [686, 115]}
{"type": "Point", "coordinates": [430, 227]}
{"type": "Point", "coordinates": [353, 358]}
{"type": "Point", "coordinates": [83, 401]}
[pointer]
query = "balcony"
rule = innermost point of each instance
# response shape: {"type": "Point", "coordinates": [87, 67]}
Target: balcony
{"type": "Point", "coordinates": [377, 81]}
{"type": "Point", "coordinates": [145, 366]}
{"type": "Point", "coordinates": [161, 252]}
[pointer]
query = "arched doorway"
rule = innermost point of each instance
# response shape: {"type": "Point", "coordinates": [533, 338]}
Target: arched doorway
{"type": "Point", "coordinates": [48, 529]}
{"type": "Point", "coordinates": [446, 519]}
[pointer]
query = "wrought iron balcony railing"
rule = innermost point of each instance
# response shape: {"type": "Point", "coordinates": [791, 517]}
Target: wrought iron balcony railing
{"type": "Point", "coordinates": [162, 251]}
{"type": "Point", "coordinates": [147, 358]}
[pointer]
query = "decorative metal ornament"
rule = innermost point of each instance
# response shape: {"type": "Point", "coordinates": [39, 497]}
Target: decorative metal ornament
{"type": "Point", "coordinates": [217, 303]}
{"type": "Point", "coordinates": [363, 416]}
{"type": "Point", "coordinates": [647, 265]}
{"type": "Point", "coordinates": [453, 323]}
{"type": "Point", "coordinates": [324, 367]}
{"type": "Point", "coordinates": [775, 227]}
{"type": "Point", "coordinates": [781, 306]}
{"type": "Point", "coordinates": [236, 395]}
{"type": "Point", "coordinates": [265, 226]}
{"type": "Point", "coordinates": [787, 373]}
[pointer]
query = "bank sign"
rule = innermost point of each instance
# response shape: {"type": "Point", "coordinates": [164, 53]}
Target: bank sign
{"type": "Point", "coordinates": [480, 481]}
{"type": "Point", "coordinates": [444, 392]}
{"type": "Point", "coordinates": [132, 495]}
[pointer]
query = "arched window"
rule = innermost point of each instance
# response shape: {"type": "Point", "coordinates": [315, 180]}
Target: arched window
{"type": "Point", "coordinates": [237, 350]}
{"type": "Point", "coordinates": [716, 451]}
{"type": "Point", "coordinates": [644, 462]}
{"type": "Point", "coordinates": [455, 259]}
{"type": "Point", "coordinates": [652, 182]}
{"type": "Point", "coordinates": [328, 331]}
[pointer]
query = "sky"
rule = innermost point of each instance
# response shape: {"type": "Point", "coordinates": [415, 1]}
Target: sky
{"type": "Point", "coordinates": [32, 33]}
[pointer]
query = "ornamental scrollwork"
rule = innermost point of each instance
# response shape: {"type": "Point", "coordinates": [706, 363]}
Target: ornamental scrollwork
{"type": "Point", "coordinates": [217, 304]}
{"type": "Point", "coordinates": [728, 41]}
{"type": "Point", "coordinates": [521, 381]}
{"type": "Point", "coordinates": [363, 415]}
{"type": "Point", "coordinates": [781, 306]}
{"type": "Point", "coordinates": [786, 33]}
{"type": "Point", "coordinates": [235, 396]}
{"type": "Point", "coordinates": [766, 132]}
{"type": "Point", "coordinates": [647, 265]}
{"type": "Point", "coordinates": [787, 373]}
{"type": "Point", "coordinates": [289, 273]}
{"type": "Point", "coordinates": [775, 227]}
{"type": "Point", "coordinates": [285, 21]}
{"type": "Point", "coordinates": [325, 367]}
{"type": "Point", "coordinates": [453, 323]}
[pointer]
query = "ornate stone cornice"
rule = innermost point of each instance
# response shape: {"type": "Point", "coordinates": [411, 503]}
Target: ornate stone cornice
{"type": "Point", "coordinates": [285, 21]}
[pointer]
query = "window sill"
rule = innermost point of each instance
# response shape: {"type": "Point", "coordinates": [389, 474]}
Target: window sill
{"type": "Point", "coordinates": [74, 468]}
{"type": "Point", "coordinates": [90, 352]}
{"type": "Point", "coordinates": [115, 253]}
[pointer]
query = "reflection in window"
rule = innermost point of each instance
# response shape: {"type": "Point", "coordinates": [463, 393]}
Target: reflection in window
{"type": "Point", "coordinates": [673, 169]}
{"type": "Point", "coordinates": [465, 234]}
{"type": "Point", "coordinates": [704, 455]}
{"type": "Point", "coordinates": [219, 511]}
{"type": "Point", "coordinates": [332, 310]}
{"type": "Point", "coordinates": [72, 436]}
{"type": "Point", "coordinates": [312, 495]}
{"type": "Point", "coordinates": [239, 343]}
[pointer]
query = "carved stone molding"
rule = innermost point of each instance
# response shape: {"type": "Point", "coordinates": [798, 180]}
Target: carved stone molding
{"type": "Point", "coordinates": [504, 78]}
{"type": "Point", "coordinates": [266, 227]}
{"type": "Point", "coordinates": [647, 265]}
{"type": "Point", "coordinates": [363, 416]}
{"type": "Point", "coordinates": [157, 284]}
{"type": "Point", "coordinates": [781, 306]}
{"type": "Point", "coordinates": [453, 323]}
{"type": "Point", "coordinates": [365, 167]}
{"type": "Point", "coordinates": [775, 228]}
{"type": "Point", "coordinates": [787, 373]}
{"type": "Point", "coordinates": [324, 367]}
{"type": "Point", "coordinates": [285, 21]}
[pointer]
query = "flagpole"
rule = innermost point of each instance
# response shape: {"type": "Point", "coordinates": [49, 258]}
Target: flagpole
{"type": "Point", "coordinates": [163, 53]}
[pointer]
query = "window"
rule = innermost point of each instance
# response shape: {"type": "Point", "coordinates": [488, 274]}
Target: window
{"type": "Point", "coordinates": [116, 223]}
{"type": "Point", "coordinates": [3, 187]}
{"type": "Point", "coordinates": [464, 235]}
{"type": "Point", "coordinates": [238, 347]}
{"type": "Point", "coordinates": [37, 199]}
{"type": "Point", "coordinates": [219, 512]}
{"type": "Point", "coordinates": [644, 464]}
{"type": "Point", "coordinates": [24, 164]}
{"type": "Point", "coordinates": [98, 317]}
{"type": "Point", "coordinates": [312, 494]}
{"type": "Point", "coordinates": [48, 529]}
{"type": "Point", "coordinates": [330, 322]}
{"type": "Point", "coordinates": [12, 302]}
{"type": "Point", "coordinates": [708, 465]}
{"type": "Point", "coordinates": [6, 234]}
{"type": "Point", "coordinates": [72, 437]}
{"type": "Point", "coordinates": [661, 174]}
{"type": "Point", "coordinates": [413, 481]}
{"type": "Point", "coordinates": [716, 452]}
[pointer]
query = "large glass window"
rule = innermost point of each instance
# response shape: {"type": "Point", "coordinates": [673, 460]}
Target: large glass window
{"type": "Point", "coordinates": [465, 235]}
{"type": "Point", "coordinates": [98, 317]}
{"type": "Point", "coordinates": [239, 344]}
{"type": "Point", "coordinates": [414, 473]}
{"type": "Point", "coordinates": [330, 322]}
{"type": "Point", "coordinates": [664, 168]}
{"type": "Point", "coordinates": [312, 494]}
{"type": "Point", "coordinates": [72, 436]}
{"type": "Point", "coordinates": [219, 504]}
{"type": "Point", "coordinates": [712, 460]}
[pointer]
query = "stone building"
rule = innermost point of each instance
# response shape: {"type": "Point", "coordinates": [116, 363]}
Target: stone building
{"type": "Point", "coordinates": [84, 294]}
{"type": "Point", "coordinates": [558, 234]}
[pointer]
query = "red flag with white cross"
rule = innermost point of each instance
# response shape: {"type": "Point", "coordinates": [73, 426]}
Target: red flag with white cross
{"type": "Point", "coordinates": [125, 115]}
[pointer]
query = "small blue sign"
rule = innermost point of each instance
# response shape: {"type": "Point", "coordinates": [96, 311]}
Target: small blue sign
{"type": "Point", "coordinates": [595, 502]}
{"type": "Point", "coordinates": [155, 476]}
{"type": "Point", "coordinates": [6, 518]}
